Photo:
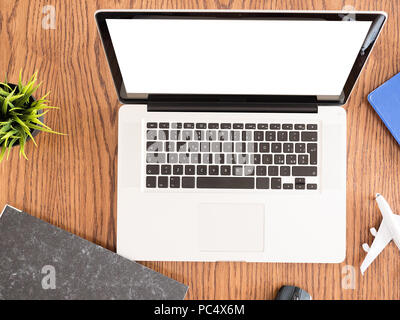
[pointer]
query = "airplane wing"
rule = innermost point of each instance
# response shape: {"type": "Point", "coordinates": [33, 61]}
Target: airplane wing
{"type": "Point", "coordinates": [382, 238]}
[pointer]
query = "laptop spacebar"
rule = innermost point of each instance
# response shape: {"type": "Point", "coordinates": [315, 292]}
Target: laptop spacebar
{"type": "Point", "coordinates": [225, 182]}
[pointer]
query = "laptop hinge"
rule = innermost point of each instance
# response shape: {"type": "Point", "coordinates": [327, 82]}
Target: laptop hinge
{"type": "Point", "coordinates": [158, 103]}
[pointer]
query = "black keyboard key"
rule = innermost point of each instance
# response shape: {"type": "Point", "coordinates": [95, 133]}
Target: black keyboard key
{"type": "Point", "coordinates": [288, 147]}
{"type": "Point", "coordinates": [226, 170]}
{"type": "Point", "coordinates": [311, 186]}
{"type": "Point", "coordinates": [294, 136]}
{"type": "Point", "coordinates": [255, 158]}
{"type": "Point", "coordinates": [288, 186]}
{"type": "Point", "coordinates": [166, 169]}
{"type": "Point", "coordinates": [207, 158]}
{"type": "Point", "coordinates": [303, 159]}
{"type": "Point", "coordinates": [223, 135]}
{"type": "Point", "coordinates": [261, 171]}
{"type": "Point", "coordinates": [309, 136]}
{"type": "Point", "coordinates": [213, 126]}
{"type": "Point", "coordinates": [275, 126]}
{"type": "Point", "coordinates": [195, 158]}
{"type": "Point", "coordinates": [177, 169]}
{"type": "Point", "coordinates": [285, 171]}
{"type": "Point", "coordinates": [213, 170]}
{"type": "Point", "coordinates": [153, 169]}
{"type": "Point", "coordinates": [204, 146]}
{"type": "Point", "coordinates": [174, 182]}
{"type": "Point", "coordinates": [151, 134]}
{"type": "Point", "coordinates": [304, 171]}
{"type": "Point", "coordinates": [225, 126]}
{"type": "Point", "coordinates": [201, 126]}
{"type": "Point", "coordinates": [211, 135]}
{"type": "Point", "coordinates": [235, 135]}
{"type": "Point", "coordinates": [172, 158]}
{"type": "Point", "coordinates": [243, 158]}
{"type": "Point", "coordinates": [163, 125]}
{"type": "Point", "coordinates": [163, 135]}
{"type": "Point", "coordinates": [193, 147]}
{"type": "Point", "coordinates": [312, 150]}
{"type": "Point", "coordinates": [175, 135]}
{"type": "Point", "coordinates": [190, 170]}
{"type": "Point", "coordinates": [300, 183]}
{"type": "Point", "coordinates": [264, 147]}
{"type": "Point", "coordinates": [273, 171]}
{"type": "Point", "coordinates": [227, 147]}
{"type": "Point", "coordinates": [187, 135]}
{"type": "Point", "coordinates": [176, 125]}
{"type": "Point", "coordinates": [262, 126]}
{"type": "Point", "coordinates": [240, 147]}
{"type": "Point", "coordinates": [169, 146]}
{"type": "Point", "coordinates": [249, 170]}
{"type": "Point", "coordinates": [291, 159]}
{"type": "Point", "coordinates": [155, 158]}
{"type": "Point", "coordinates": [312, 126]}
{"type": "Point", "coordinates": [287, 126]}
{"type": "Point", "coordinates": [151, 181]}
{"type": "Point", "coordinates": [216, 146]}
{"type": "Point", "coordinates": [282, 136]}
{"type": "Point", "coordinates": [262, 183]}
{"type": "Point", "coordinates": [163, 182]}
{"type": "Point", "coordinates": [151, 125]}
{"type": "Point", "coordinates": [184, 158]}
{"type": "Point", "coordinates": [198, 135]}
{"type": "Point", "coordinates": [246, 135]}
{"type": "Point", "coordinates": [188, 125]}
{"type": "Point", "coordinates": [276, 147]}
{"type": "Point", "coordinates": [219, 158]}
{"type": "Point", "coordinates": [252, 147]}
{"type": "Point", "coordinates": [300, 147]}
{"type": "Point", "coordinates": [270, 136]}
{"type": "Point", "coordinates": [154, 146]}
{"type": "Point", "coordinates": [267, 158]}
{"type": "Point", "coordinates": [188, 182]}
{"type": "Point", "coordinates": [238, 126]}
{"type": "Point", "coordinates": [231, 158]}
{"type": "Point", "coordinates": [201, 170]}
{"type": "Point", "coordinates": [299, 126]}
{"type": "Point", "coordinates": [250, 126]}
{"type": "Point", "coordinates": [237, 170]}
{"type": "Point", "coordinates": [279, 159]}
{"type": "Point", "coordinates": [225, 182]}
{"type": "Point", "coordinates": [276, 183]}
{"type": "Point", "coordinates": [258, 135]}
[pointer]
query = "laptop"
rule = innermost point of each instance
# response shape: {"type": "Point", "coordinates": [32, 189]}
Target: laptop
{"type": "Point", "coordinates": [232, 132]}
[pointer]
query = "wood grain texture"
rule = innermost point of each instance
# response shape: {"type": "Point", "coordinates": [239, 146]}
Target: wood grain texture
{"type": "Point", "coordinates": [71, 181]}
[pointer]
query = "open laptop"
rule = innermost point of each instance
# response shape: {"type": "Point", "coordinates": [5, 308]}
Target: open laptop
{"type": "Point", "coordinates": [232, 136]}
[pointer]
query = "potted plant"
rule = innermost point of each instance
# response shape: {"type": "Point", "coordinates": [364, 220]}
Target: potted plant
{"type": "Point", "coordinates": [21, 115]}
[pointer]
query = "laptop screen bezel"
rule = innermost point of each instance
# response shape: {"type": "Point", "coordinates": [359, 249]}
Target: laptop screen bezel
{"type": "Point", "coordinates": [377, 19]}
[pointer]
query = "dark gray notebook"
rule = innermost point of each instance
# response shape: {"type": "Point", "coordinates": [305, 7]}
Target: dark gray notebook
{"type": "Point", "coordinates": [41, 261]}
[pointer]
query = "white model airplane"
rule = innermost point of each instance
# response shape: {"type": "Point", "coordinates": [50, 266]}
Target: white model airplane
{"type": "Point", "coordinates": [388, 230]}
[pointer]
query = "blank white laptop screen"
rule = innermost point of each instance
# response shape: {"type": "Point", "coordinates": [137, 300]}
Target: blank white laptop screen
{"type": "Point", "coordinates": [236, 56]}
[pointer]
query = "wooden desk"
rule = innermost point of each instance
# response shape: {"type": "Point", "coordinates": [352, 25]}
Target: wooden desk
{"type": "Point", "coordinates": [71, 181]}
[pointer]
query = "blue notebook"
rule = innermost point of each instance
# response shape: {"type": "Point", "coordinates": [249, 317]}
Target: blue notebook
{"type": "Point", "coordinates": [386, 102]}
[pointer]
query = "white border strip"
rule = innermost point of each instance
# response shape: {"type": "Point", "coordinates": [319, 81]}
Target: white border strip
{"type": "Point", "coordinates": [6, 206]}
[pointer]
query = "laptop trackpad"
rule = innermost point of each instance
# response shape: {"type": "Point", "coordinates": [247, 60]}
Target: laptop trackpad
{"type": "Point", "coordinates": [231, 226]}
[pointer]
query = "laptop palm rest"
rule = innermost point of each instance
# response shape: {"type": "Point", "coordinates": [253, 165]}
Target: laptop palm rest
{"type": "Point", "coordinates": [231, 226]}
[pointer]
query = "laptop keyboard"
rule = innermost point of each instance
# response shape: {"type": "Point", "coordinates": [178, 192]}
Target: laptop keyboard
{"type": "Point", "coordinates": [188, 155]}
